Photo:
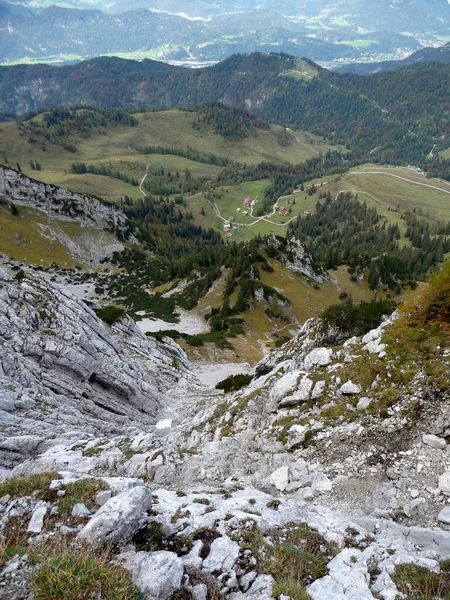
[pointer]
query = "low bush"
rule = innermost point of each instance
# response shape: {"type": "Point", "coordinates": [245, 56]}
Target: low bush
{"type": "Point", "coordinates": [110, 314]}
{"type": "Point", "coordinates": [433, 306]}
{"type": "Point", "coordinates": [234, 382]}
{"type": "Point", "coordinates": [356, 319]}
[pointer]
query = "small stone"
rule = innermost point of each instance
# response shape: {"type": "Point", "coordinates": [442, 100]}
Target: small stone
{"type": "Point", "coordinates": [64, 530]}
{"type": "Point", "coordinates": [349, 388]}
{"type": "Point", "coordinates": [157, 574]}
{"type": "Point", "coordinates": [79, 510]}
{"type": "Point", "coordinates": [434, 442]}
{"type": "Point", "coordinates": [444, 515]}
{"type": "Point", "coordinates": [102, 497]}
{"type": "Point", "coordinates": [222, 556]}
{"type": "Point", "coordinates": [318, 390]}
{"type": "Point", "coordinates": [56, 484]}
{"type": "Point", "coordinates": [61, 493]}
{"type": "Point", "coordinates": [36, 523]}
{"type": "Point", "coordinates": [247, 580]}
{"type": "Point", "coordinates": [11, 567]}
{"type": "Point", "coordinates": [199, 592]}
{"type": "Point", "coordinates": [444, 483]}
{"type": "Point", "coordinates": [363, 403]}
{"type": "Point", "coordinates": [280, 478]}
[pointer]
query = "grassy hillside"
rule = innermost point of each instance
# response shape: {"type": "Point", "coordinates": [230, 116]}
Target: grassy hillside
{"type": "Point", "coordinates": [115, 147]}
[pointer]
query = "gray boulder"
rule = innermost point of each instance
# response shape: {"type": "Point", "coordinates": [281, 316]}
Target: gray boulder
{"type": "Point", "coordinates": [118, 519]}
{"type": "Point", "coordinates": [222, 556]}
{"type": "Point", "coordinates": [157, 574]}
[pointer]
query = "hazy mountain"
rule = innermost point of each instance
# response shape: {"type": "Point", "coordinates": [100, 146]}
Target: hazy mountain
{"type": "Point", "coordinates": [63, 34]}
{"type": "Point", "coordinates": [440, 55]}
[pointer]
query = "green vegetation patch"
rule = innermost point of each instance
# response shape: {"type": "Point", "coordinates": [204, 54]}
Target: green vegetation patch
{"type": "Point", "coordinates": [110, 314]}
{"type": "Point", "coordinates": [234, 382]}
{"type": "Point", "coordinates": [82, 491]}
{"type": "Point", "coordinates": [293, 554]}
{"type": "Point", "coordinates": [419, 583]}
{"type": "Point", "coordinates": [79, 574]}
{"type": "Point", "coordinates": [25, 486]}
{"type": "Point", "coordinates": [356, 319]}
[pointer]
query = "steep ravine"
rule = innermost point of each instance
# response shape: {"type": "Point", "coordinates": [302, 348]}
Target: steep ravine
{"type": "Point", "coordinates": [234, 496]}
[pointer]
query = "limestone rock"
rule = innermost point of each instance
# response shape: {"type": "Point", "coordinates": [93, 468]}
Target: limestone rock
{"type": "Point", "coordinates": [301, 394]}
{"type": "Point", "coordinates": [349, 388]}
{"type": "Point", "coordinates": [319, 357]}
{"type": "Point", "coordinates": [36, 523]}
{"type": "Point", "coordinates": [279, 478]}
{"type": "Point", "coordinates": [444, 515]}
{"type": "Point", "coordinates": [87, 378]}
{"type": "Point", "coordinates": [363, 403]}
{"type": "Point", "coordinates": [261, 589]}
{"type": "Point", "coordinates": [79, 510]}
{"type": "Point", "coordinates": [157, 574]}
{"type": "Point", "coordinates": [434, 442]}
{"type": "Point", "coordinates": [318, 390]}
{"type": "Point", "coordinates": [59, 202]}
{"type": "Point", "coordinates": [118, 519]}
{"type": "Point", "coordinates": [222, 556]}
{"type": "Point", "coordinates": [444, 483]}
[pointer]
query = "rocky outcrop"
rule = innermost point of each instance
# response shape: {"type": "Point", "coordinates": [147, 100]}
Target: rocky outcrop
{"type": "Point", "coordinates": [61, 203]}
{"type": "Point", "coordinates": [295, 256]}
{"type": "Point", "coordinates": [64, 375]}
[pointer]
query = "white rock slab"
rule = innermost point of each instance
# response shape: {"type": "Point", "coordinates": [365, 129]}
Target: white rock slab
{"type": "Point", "coordinates": [222, 556]}
{"type": "Point", "coordinates": [36, 523]}
{"type": "Point", "coordinates": [157, 574]}
{"type": "Point", "coordinates": [118, 519]}
{"type": "Point", "coordinates": [434, 441]}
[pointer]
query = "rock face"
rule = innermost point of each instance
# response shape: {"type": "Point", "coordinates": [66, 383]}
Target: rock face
{"type": "Point", "coordinates": [62, 203]}
{"type": "Point", "coordinates": [106, 404]}
{"type": "Point", "coordinates": [296, 258]}
{"type": "Point", "coordinates": [64, 373]}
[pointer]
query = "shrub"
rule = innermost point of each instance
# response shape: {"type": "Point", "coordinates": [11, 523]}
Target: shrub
{"type": "Point", "coordinates": [110, 314]}
{"type": "Point", "coordinates": [14, 210]}
{"type": "Point", "coordinates": [234, 382]}
{"type": "Point", "coordinates": [356, 319]}
{"type": "Point", "coordinates": [195, 340]}
{"type": "Point", "coordinates": [434, 304]}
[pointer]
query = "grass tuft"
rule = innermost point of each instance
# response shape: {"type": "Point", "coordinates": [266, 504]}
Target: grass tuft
{"type": "Point", "coordinates": [417, 582]}
{"type": "Point", "coordinates": [81, 491]}
{"type": "Point", "coordinates": [79, 574]}
{"type": "Point", "coordinates": [25, 486]}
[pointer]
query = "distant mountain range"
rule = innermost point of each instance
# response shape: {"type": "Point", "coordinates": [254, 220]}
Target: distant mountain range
{"type": "Point", "coordinates": [379, 15]}
{"type": "Point", "coordinates": [440, 55]}
{"type": "Point", "coordinates": [65, 34]}
{"type": "Point", "coordinates": [199, 31]}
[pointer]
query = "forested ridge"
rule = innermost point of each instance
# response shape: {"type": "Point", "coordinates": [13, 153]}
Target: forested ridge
{"type": "Point", "coordinates": [398, 115]}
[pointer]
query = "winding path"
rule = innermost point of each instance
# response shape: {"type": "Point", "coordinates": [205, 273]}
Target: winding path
{"type": "Point", "coordinates": [143, 179]}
